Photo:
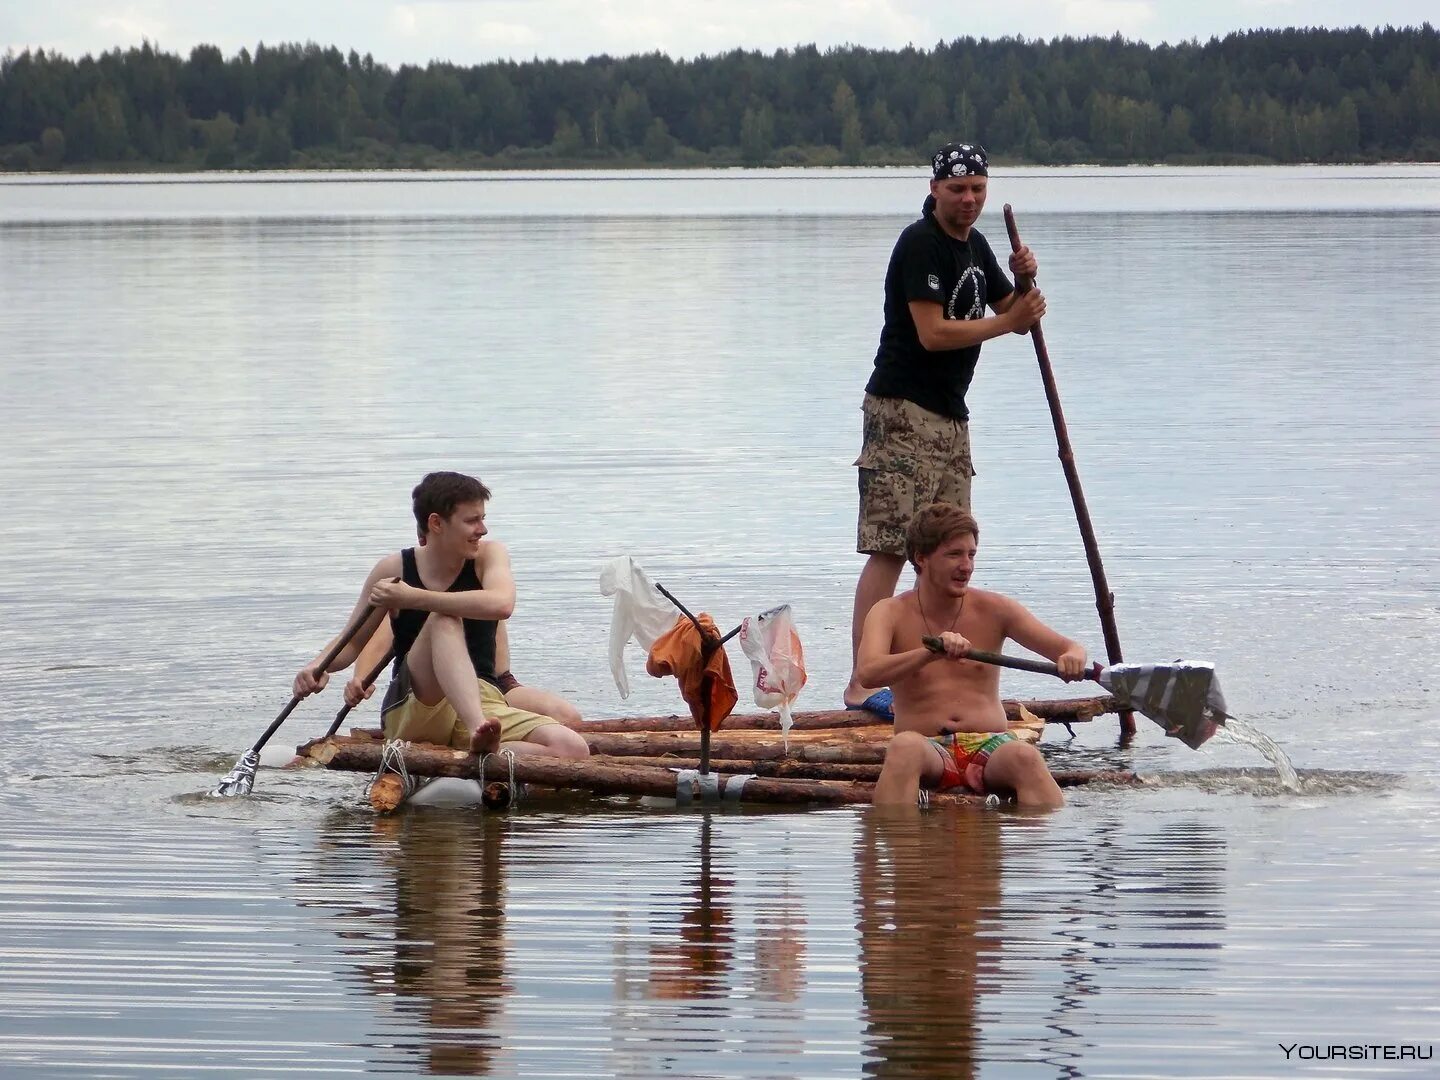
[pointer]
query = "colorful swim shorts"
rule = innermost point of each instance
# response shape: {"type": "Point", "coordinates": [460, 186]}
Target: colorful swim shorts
{"type": "Point", "coordinates": [966, 754]}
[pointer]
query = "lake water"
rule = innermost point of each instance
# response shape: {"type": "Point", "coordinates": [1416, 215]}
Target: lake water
{"type": "Point", "coordinates": [217, 393]}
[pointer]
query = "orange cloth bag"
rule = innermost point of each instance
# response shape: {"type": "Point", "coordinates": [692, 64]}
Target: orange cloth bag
{"type": "Point", "coordinates": [705, 682]}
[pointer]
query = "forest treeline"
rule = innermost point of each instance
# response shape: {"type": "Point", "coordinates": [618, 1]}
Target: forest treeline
{"type": "Point", "coordinates": [1295, 95]}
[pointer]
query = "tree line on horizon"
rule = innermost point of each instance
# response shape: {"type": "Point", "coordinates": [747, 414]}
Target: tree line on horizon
{"type": "Point", "coordinates": [1293, 95]}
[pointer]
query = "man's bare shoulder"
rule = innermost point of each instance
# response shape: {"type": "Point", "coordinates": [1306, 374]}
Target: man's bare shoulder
{"type": "Point", "coordinates": [986, 598]}
{"type": "Point", "coordinates": [493, 553]}
{"type": "Point", "coordinates": [897, 603]}
{"type": "Point", "coordinates": [391, 565]}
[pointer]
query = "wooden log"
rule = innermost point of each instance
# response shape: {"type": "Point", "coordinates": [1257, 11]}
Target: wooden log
{"type": "Point", "coordinates": [854, 751]}
{"type": "Point", "coordinates": [600, 777]}
{"type": "Point", "coordinates": [1055, 710]}
{"type": "Point", "coordinates": [1069, 710]}
{"type": "Point", "coordinates": [815, 770]}
{"type": "Point", "coordinates": [799, 770]}
{"type": "Point", "coordinates": [746, 743]}
{"type": "Point", "coordinates": [425, 760]}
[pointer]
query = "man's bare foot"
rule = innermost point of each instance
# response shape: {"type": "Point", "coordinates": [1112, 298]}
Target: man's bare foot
{"type": "Point", "coordinates": [485, 739]}
{"type": "Point", "coordinates": [855, 694]}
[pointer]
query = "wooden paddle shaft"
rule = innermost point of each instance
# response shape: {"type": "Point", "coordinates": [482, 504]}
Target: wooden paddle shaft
{"type": "Point", "coordinates": [325, 661]}
{"type": "Point", "coordinates": [375, 673]}
{"type": "Point", "coordinates": [1019, 663]}
{"type": "Point", "coordinates": [1104, 598]}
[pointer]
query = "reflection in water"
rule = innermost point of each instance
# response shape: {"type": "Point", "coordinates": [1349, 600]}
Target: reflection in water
{"type": "Point", "coordinates": [446, 968]}
{"type": "Point", "coordinates": [929, 885]}
{"type": "Point", "coordinates": [1154, 895]}
{"type": "Point", "coordinates": [953, 906]}
{"type": "Point", "coordinates": [705, 960]}
{"type": "Point", "coordinates": [694, 960]}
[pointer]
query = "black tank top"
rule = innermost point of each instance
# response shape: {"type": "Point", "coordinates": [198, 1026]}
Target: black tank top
{"type": "Point", "coordinates": [479, 633]}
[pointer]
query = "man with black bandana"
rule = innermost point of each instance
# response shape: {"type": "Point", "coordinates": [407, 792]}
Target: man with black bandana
{"type": "Point", "coordinates": [916, 447]}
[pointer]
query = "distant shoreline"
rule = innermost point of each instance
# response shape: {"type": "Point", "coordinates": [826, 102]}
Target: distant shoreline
{"type": "Point", "coordinates": [1291, 96]}
{"type": "Point", "coordinates": [591, 170]}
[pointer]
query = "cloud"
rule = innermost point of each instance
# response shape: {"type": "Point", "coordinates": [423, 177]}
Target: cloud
{"type": "Point", "coordinates": [474, 31]}
{"type": "Point", "coordinates": [1129, 17]}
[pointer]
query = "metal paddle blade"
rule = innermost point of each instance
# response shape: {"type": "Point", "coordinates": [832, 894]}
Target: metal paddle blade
{"type": "Point", "coordinates": [1184, 697]}
{"type": "Point", "coordinates": [240, 779]}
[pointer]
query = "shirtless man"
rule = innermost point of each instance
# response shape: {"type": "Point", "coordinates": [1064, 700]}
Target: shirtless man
{"type": "Point", "coordinates": [445, 600]}
{"type": "Point", "coordinates": [950, 728]}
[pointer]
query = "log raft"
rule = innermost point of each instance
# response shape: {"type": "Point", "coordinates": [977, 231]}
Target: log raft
{"type": "Point", "coordinates": [1054, 711]}
{"type": "Point", "coordinates": [828, 759]}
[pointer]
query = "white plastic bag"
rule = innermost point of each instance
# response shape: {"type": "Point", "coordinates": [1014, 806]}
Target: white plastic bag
{"type": "Point", "coordinates": [640, 612]}
{"type": "Point", "coordinates": [770, 641]}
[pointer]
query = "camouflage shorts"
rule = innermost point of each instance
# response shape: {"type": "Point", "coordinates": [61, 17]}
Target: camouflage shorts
{"type": "Point", "coordinates": [910, 457]}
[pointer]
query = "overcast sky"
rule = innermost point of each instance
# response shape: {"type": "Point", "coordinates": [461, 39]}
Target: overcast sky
{"type": "Point", "coordinates": [470, 31]}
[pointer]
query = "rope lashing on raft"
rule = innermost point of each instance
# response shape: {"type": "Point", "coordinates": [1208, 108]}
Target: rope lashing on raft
{"type": "Point", "coordinates": [514, 789]}
{"type": "Point", "coordinates": [392, 759]}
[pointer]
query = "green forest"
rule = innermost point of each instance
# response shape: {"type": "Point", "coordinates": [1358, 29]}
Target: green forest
{"type": "Point", "coordinates": [1295, 95]}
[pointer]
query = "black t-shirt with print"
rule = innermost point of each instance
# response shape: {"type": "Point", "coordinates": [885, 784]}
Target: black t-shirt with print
{"type": "Point", "coordinates": [964, 279]}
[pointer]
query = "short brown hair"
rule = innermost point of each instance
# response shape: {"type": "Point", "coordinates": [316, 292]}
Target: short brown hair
{"type": "Point", "coordinates": [934, 525]}
{"type": "Point", "coordinates": [440, 492]}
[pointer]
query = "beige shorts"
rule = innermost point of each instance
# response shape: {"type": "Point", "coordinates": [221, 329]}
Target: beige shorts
{"type": "Point", "coordinates": [414, 721]}
{"type": "Point", "coordinates": [909, 458]}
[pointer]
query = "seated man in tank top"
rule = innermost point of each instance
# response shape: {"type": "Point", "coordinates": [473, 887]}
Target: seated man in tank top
{"type": "Point", "coordinates": [444, 601]}
{"type": "Point", "coordinates": [950, 727]}
{"type": "Point", "coordinates": [530, 698]}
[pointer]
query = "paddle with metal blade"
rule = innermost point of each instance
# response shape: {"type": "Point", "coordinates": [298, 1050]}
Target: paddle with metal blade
{"type": "Point", "coordinates": [241, 779]}
{"type": "Point", "coordinates": [375, 673]}
{"type": "Point", "coordinates": [1184, 698]}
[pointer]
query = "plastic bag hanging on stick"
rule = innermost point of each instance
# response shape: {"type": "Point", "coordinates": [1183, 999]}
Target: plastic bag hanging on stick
{"type": "Point", "coordinates": [770, 641]}
{"type": "Point", "coordinates": [640, 613]}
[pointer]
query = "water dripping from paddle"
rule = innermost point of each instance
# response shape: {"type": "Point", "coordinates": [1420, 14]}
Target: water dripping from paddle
{"type": "Point", "coordinates": [1246, 734]}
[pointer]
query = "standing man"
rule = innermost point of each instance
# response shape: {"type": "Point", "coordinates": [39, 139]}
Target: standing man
{"type": "Point", "coordinates": [916, 448]}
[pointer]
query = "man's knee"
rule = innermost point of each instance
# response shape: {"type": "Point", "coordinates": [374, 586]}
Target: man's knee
{"type": "Point", "coordinates": [437, 625]}
{"type": "Point", "coordinates": [566, 713]}
{"type": "Point", "coordinates": [1019, 762]}
{"type": "Point", "coordinates": [561, 741]}
{"type": "Point", "coordinates": [908, 751]}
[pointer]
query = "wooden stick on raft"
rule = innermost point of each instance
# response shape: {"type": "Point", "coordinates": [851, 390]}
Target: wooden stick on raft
{"type": "Point", "coordinates": [1062, 710]}
{"type": "Point", "coordinates": [604, 779]}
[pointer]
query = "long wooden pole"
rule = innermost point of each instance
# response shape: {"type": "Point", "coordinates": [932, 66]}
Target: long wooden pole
{"type": "Point", "coordinates": [1104, 598]}
{"type": "Point", "coordinates": [1068, 710]}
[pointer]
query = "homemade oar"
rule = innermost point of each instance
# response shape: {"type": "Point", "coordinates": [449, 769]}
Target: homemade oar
{"type": "Point", "coordinates": [1184, 698]}
{"type": "Point", "coordinates": [375, 673]}
{"type": "Point", "coordinates": [241, 778]}
{"type": "Point", "coordinates": [1104, 598]}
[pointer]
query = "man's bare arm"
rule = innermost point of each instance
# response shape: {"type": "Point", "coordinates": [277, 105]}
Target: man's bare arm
{"type": "Point", "coordinates": [1026, 630]}
{"type": "Point", "coordinates": [309, 680]}
{"type": "Point", "coordinates": [875, 664]}
{"type": "Point", "coordinates": [374, 651]}
{"type": "Point", "coordinates": [938, 333]}
{"type": "Point", "coordinates": [495, 601]}
{"type": "Point", "coordinates": [502, 646]}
